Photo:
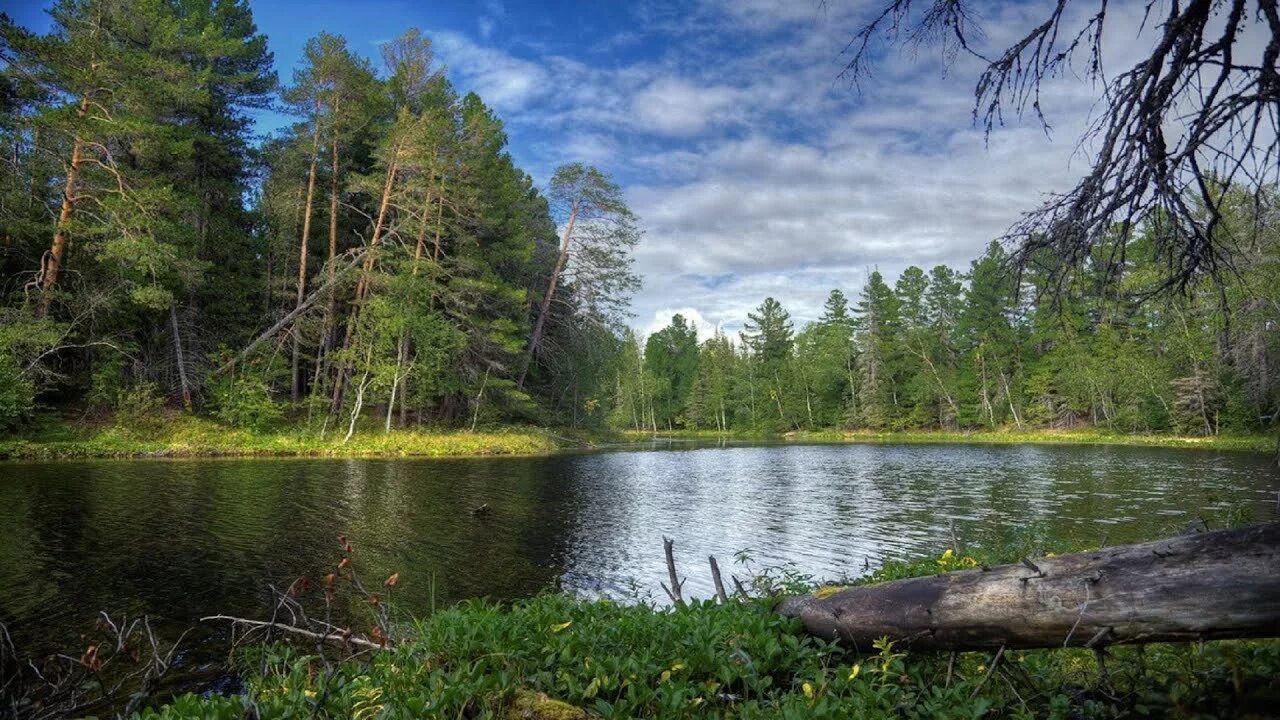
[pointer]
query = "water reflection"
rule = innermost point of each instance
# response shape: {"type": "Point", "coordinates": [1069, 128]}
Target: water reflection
{"type": "Point", "coordinates": [180, 539]}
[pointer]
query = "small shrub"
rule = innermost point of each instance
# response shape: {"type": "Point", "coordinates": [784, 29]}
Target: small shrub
{"type": "Point", "coordinates": [17, 392]}
{"type": "Point", "coordinates": [246, 403]}
{"type": "Point", "coordinates": [137, 408]}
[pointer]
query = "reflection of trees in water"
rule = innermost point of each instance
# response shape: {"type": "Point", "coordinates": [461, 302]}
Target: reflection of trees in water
{"type": "Point", "coordinates": [181, 539]}
{"type": "Point", "coordinates": [416, 518]}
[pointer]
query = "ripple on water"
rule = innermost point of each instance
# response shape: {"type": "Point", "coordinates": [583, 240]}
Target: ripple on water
{"type": "Point", "coordinates": [179, 539]}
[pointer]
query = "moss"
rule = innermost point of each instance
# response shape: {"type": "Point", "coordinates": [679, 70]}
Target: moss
{"type": "Point", "coordinates": [530, 705]}
{"type": "Point", "coordinates": [827, 591]}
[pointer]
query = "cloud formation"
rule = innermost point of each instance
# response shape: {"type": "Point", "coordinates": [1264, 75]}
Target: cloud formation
{"type": "Point", "coordinates": [749, 161]}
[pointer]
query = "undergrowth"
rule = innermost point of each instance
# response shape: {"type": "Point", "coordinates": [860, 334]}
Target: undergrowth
{"type": "Point", "coordinates": [554, 656]}
{"type": "Point", "coordinates": [166, 433]}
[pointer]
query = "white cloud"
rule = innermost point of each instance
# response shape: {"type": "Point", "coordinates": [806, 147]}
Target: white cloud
{"type": "Point", "coordinates": [676, 106]}
{"type": "Point", "coordinates": [769, 15]}
{"type": "Point", "coordinates": [662, 318]}
{"type": "Point", "coordinates": [503, 80]}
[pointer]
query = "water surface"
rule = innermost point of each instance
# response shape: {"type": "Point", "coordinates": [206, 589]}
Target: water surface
{"type": "Point", "coordinates": [178, 539]}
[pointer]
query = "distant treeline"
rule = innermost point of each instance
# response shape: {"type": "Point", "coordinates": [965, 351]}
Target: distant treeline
{"type": "Point", "coordinates": [382, 252]}
{"type": "Point", "coordinates": [993, 346]}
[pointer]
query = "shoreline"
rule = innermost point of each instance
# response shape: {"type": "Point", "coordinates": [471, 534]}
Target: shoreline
{"type": "Point", "coordinates": [187, 436]}
{"type": "Point", "coordinates": [193, 437]}
{"type": "Point", "coordinates": [1256, 443]}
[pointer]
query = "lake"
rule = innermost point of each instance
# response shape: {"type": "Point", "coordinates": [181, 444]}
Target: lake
{"type": "Point", "coordinates": [178, 539]}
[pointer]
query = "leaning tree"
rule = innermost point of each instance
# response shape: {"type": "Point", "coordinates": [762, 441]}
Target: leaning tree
{"type": "Point", "coordinates": [1198, 114]}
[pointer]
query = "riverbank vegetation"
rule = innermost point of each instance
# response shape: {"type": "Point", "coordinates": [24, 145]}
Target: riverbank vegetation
{"type": "Point", "coordinates": [179, 435]}
{"type": "Point", "coordinates": [175, 434]}
{"type": "Point", "coordinates": [1249, 442]}
{"type": "Point", "coordinates": [553, 656]}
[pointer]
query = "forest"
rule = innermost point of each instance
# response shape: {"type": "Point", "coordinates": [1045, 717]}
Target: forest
{"type": "Point", "coordinates": [383, 263]}
{"type": "Point", "coordinates": [991, 347]}
{"type": "Point", "coordinates": [383, 252]}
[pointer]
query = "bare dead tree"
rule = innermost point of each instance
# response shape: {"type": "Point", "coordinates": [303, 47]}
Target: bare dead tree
{"type": "Point", "coordinates": [1199, 114]}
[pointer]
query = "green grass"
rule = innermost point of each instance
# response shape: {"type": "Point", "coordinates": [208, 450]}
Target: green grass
{"type": "Point", "coordinates": [1004, 436]}
{"type": "Point", "coordinates": [171, 434]}
{"type": "Point", "coordinates": [184, 435]}
{"type": "Point", "coordinates": [556, 657]}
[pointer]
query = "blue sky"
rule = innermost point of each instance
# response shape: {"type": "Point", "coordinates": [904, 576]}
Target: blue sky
{"type": "Point", "coordinates": [754, 169]}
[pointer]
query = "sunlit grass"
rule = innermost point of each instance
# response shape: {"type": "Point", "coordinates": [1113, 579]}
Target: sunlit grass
{"type": "Point", "coordinates": [187, 435]}
{"type": "Point", "coordinates": [190, 436]}
{"type": "Point", "coordinates": [1004, 436]}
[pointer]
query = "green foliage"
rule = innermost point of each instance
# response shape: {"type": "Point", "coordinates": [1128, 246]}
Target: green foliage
{"type": "Point", "coordinates": [137, 409]}
{"type": "Point", "coordinates": [17, 392]}
{"type": "Point", "coordinates": [995, 349]}
{"type": "Point", "coordinates": [578, 658]}
{"type": "Point", "coordinates": [245, 402]}
{"type": "Point", "coordinates": [145, 108]}
{"type": "Point", "coordinates": [468, 305]}
{"type": "Point", "coordinates": [672, 355]}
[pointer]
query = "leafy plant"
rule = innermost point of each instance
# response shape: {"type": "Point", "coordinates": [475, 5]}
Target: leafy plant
{"type": "Point", "coordinates": [245, 402]}
{"type": "Point", "coordinates": [17, 392]}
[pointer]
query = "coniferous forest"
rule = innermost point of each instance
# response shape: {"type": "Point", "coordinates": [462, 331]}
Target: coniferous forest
{"type": "Point", "coordinates": [382, 253]}
{"type": "Point", "coordinates": [989, 347]}
{"type": "Point", "coordinates": [383, 263]}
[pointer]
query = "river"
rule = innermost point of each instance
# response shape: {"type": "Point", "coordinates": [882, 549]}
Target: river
{"type": "Point", "coordinates": [177, 539]}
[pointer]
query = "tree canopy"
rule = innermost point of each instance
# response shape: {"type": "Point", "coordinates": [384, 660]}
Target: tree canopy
{"type": "Point", "coordinates": [382, 253]}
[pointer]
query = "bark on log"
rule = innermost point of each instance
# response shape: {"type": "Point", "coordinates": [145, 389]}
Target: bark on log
{"type": "Point", "coordinates": [1205, 586]}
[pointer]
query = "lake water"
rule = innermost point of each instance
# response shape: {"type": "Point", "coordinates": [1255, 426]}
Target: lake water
{"type": "Point", "coordinates": [178, 539]}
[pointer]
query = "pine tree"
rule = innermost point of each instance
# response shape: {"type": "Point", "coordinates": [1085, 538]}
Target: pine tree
{"type": "Point", "coordinates": [877, 333]}
{"type": "Point", "coordinates": [672, 354]}
{"type": "Point", "coordinates": [599, 234]}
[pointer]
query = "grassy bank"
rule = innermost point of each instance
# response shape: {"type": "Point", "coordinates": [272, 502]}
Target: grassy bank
{"type": "Point", "coordinates": [185, 435]}
{"type": "Point", "coordinates": [1006, 436]}
{"type": "Point", "coordinates": [554, 657]}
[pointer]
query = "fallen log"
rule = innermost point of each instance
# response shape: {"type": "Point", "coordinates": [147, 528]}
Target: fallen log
{"type": "Point", "coordinates": [336, 635]}
{"type": "Point", "coordinates": [292, 315]}
{"type": "Point", "coordinates": [1204, 586]}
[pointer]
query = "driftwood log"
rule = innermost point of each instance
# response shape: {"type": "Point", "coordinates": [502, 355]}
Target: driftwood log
{"type": "Point", "coordinates": [1204, 586]}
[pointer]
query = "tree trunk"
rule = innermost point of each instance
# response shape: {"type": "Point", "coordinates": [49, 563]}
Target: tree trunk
{"type": "Point", "coordinates": [435, 256]}
{"type": "Point", "coordinates": [475, 416]}
{"type": "Point", "coordinates": [179, 359]}
{"type": "Point", "coordinates": [53, 263]}
{"type": "Point", "coordinates": [331, 308]}
{"type": "Point", "coordinates": [302, 252]}
{"type": "Point", "coordinates": [1008, 395]}
{"type": "Point", "coordinates": [1203, 586]}
{"type": "Point", "coordinates": [293, 315]}
{"type": "Point", "coordinates": [388, 186]}
{"type": "Point", "coordinates": [362, 285]}
{"type": "Point", "coordinates": [536, 337]}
